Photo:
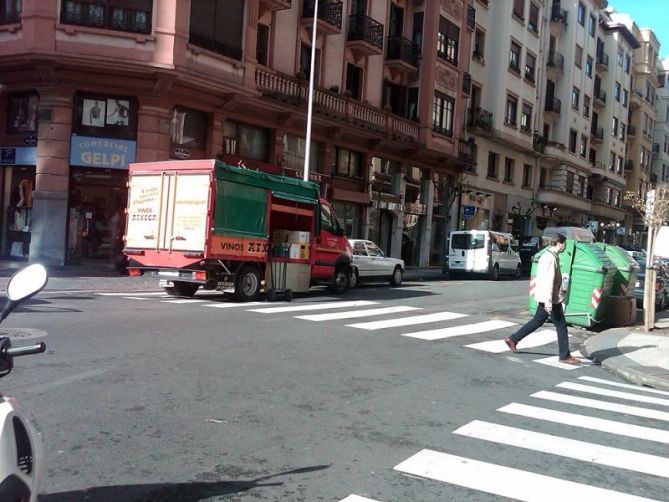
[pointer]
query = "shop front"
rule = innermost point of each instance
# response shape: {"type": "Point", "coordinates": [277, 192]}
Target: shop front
{"type": "Point", "coordinates": [475, 210]}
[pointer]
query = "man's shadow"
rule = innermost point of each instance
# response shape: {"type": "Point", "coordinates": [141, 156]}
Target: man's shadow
{"type": "Point", "coordinates": [170, 492]}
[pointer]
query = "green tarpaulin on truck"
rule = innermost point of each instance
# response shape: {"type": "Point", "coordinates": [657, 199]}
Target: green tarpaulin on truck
{"type": "Point", "coordinates": [242, 195]}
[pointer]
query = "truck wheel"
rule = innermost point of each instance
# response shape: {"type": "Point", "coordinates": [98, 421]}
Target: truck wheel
{"type": "Point", "coordinates": [247, 285]}
{"type": "Point", "coordinates": [340, 280]}
{"type": "Point", "coordinates": [495, 273]}
{"type": "Point", "coordinates": [182, 289]}
{"type": "Point", "coordinates": [396, 279]}
{"type": "Point", "coordinates": [288, 295]}
{"type": "Point", "coordinates": [271, 295]}
{"type": "Point", "coordinates": [354, 279]}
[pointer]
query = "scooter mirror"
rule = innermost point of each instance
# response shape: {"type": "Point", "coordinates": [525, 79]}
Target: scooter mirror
{"type": "Point", "coordinates": [26, 282]}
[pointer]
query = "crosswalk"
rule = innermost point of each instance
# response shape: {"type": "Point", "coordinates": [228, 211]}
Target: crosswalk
{"type": "Point", "coordinates": [517, 426]}
{"type": "Point", "coordinates": [419, 323]}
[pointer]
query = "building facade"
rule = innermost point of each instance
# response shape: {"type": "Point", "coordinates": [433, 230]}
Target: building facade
{"type": "Point", "coordinates": [660, 154]}
{"type": "Point", "coordinates": [89, 87]}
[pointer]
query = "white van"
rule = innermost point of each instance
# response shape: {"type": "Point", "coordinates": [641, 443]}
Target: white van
{"type": "Point", "coordinates": [483, 252]}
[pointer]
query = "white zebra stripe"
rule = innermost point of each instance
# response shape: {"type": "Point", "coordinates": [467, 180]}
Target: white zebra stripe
{"type": "Point", "coordinates": [356, 313]}
{"type": "Point", "coordinates": [357, 498]}
{"type": "Point", "coordinates": [407, 321]}
{"type": "Point", "coordinates": [467, 329]}
{"type": "Point", "coordinates": [555, 362]}
{"type": "Point", "coordinates": [613, 393]}
{"type": "Point", "coordinates": [624, 385]}
{"type": "Point", "coordinates": [313, 306]}
{"type": "Point", "coordinates": [536, 339]}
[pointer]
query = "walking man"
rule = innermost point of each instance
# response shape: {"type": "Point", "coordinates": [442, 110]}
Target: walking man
{"type": "Point", "coordinates": [547, 293]}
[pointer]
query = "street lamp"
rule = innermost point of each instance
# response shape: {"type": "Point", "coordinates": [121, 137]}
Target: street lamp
{"type": "Point", "coordinates": [310, 104]}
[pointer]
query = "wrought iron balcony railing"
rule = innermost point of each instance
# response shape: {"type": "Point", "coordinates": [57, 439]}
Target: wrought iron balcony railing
{"type": "Point", "coordinates": [558, 14]}
{"type": "Point", "coordinates": [555, 60]}
{"type": "Point", "coordinates": [467, 83]}
{"type": "Point", "coordinates": [553, 105]}
{"type": "Point", "coordinates": [329, 11]}
{"type": "Point", "coordinates": [597, 132]}
{"type": "Point", "coordinates": [539, 143]}
{"type": "Point", "coordinates": [602, 60]}
{"type": "Point", "coordinates": [366, 29]}
{"type": "Point", "coordinates": [479, 118]}
{"type": "Point", "coordinates": [471, 17]}
{"type": "Point", "coordinates": [403, 49]}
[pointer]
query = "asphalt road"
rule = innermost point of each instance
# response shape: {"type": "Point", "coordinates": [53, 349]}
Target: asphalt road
{"type": "Point", "coordinates": [141, 397]}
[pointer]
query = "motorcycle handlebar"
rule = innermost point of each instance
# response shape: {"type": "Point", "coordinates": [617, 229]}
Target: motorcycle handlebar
{"type": "Point", "coordinates": [28, 350]}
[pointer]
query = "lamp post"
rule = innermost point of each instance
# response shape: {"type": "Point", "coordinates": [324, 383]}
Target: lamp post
{"type": "Point", "coordinates": [310, 105]}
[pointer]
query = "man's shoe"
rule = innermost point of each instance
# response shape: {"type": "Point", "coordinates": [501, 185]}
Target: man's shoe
{"type": "Point", "coordinates": [511, 344]}
{"type": "Point", "coordinates": [570, 360]}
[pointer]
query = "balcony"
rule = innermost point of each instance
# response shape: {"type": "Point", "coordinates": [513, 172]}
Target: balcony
{"type": "Point", "coordinates": [557, 196]}
{"type": "Point", "coordinates": [467, 150]}
{"type": "Point", "coordinates": [401, 55]}
{"type": "Point", "coordinates": [330, 105]}
{"type": "Point", "coordinates": [553, 106]}
{"type": "Point", "coordinates": [558, 15]}
{"type": "Point", "coordinates": [365, 35]}
{"type": "Point", "coordinates": [596, 135]}
{"type": "Point", "coordinates": [636, 98]}
{"type": "Point", "coordinates": [555, 65]}
{"type": "Point", "coordinates": [602, 62]}
{"type": "Point", "coordinates": [631, 131]}
{"type": "Point", "coordinates": [471, 17]}
{"type": "Point", "coordinates": [272, 5]}
{"type": "Point", "coordinates": [605, 209]}
{"type": "Point", "coordinates": [629, 165]}
{"type": "Point", "coordinates": [329, 15]}
{"type": "Point", "coordinates": [539, 143]}
{"type": "Point", "coordinates": [599, 100]}
{"type": "Point", "coordinates": [478, 118]}
{"type": "Point", "coordinates": [466, 83]}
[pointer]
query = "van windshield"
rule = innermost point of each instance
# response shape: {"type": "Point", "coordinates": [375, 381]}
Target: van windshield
{"type": "Point", "coordinates": [467, 241]}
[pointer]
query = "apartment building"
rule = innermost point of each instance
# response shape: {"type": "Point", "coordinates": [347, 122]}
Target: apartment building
{"type": "Point", "coordinates": [660, 154]}
{"type": "Point", "coordinates": [89, 87]}
{"type": "Point", "coordinates": [504, 114]}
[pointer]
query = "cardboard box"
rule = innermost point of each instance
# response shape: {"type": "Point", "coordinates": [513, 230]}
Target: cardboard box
{"type": "Point", "coordinates": [294, 252]}
{"type": "Point", "coordinates": [292, 236]}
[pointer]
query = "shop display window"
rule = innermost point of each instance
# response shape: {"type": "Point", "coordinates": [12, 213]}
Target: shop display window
{"type": "Point", "coordinates": [21, 182]}
{"type": "Point", "coordinates": [189, 128]}
{"type": "Point", "coordinates": [245, 140]}
{"type": "Point", "coordinates": [22, 113]}
{"type": "Point", "coordinates": [110, 116]}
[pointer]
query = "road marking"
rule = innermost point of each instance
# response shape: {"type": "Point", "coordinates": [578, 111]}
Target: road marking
{"type": "Point", "coordinates": [407, 321]}
{"type": "Point", "coordinates": [230, 305]}
{"type": "Point", "coordinates": [536, 339]}
{"type": "Point", "coordinates": [504, 481]}
{"type": "Point", "coordinates": [467, 329]}
{"type": "Point", "coordinates": [587, 422]}
{"type": "Point", "coordinates": [314, 306]}
{"type": "Point", "coordinates": [613, 393]}
{"type": "Point", "coordinates": [602, 405]}
{"type": "Point", "coordinates": [565, 447]}
{"type": "Point", "coordinates": [356, 313]}
{"type": "Point", "coordinates": [185, 300]}
{"type": "Point", "coordinates": [555, 362]}
{"type": "Point", "coordinates": [624, 385]}
{"type": "Point", "coordinates": [357, 498]}
{"type": "Point", "coordinates": [141, 293]}
{"type": "Point", "coordinates": [70, 379]}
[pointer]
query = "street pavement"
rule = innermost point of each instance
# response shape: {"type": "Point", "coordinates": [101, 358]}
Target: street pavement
{"type": "Point", "coordinates": [631, 353]}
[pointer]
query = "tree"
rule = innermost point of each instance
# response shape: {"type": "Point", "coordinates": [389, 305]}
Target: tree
{"type": "Point", "coordinates": [654, 209]}
{"type": "Point", "coordinates": [448, 188]}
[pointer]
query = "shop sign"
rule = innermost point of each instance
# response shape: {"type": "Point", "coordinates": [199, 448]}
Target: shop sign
{"type": "Point", "coordinates": [87, 151]}
{"type": "Point", "coordinates": [30, 140]}
{"type": "Point", "coordinates": [18, 156]}
{"type": "Point", "coordinates": [315, 177]}
{"type": "Point", "coordinates": [468, 212]}
{"type": "Point", "coordinates": [620, 231]}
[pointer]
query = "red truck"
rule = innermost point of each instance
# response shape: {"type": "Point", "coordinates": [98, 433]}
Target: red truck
{"type": "Point", "coordinates": [205, 223]}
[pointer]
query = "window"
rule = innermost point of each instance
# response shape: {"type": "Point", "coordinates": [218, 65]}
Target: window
{"type": "Point", "coordinates": [354, 80]}
{"type": "Point", "coordinates": [616, 92]}
{"type": "Point", "coordinates": [10, 11]}
{"type": "Point", "coordinates": [218, 25]}
{"type": "Point", "coordinates": [614, 126]}
{"type": "Point", "coordinates": [305, 62]}
{"type": "Point", "coordinates": [530, 63]}
{"type": "Point", "coordinates": [295, 150]}
{"type": "Point", "coordinates": [121, 15]}
{"type": "Point", "coordinates": [448, 41]}
{"type": "Point", "coordinates": [625, 97]}
{"type": "Point", "coordinates": [628, 63]}
{"type": "Point", "coordinates": [575, 98]}
{"type": "Point", "coordinates": [327, 221]}
{"type": "Point", "coordinates": [249, 141]}
{"type": "Point", "coordinates": [442, 114]}
{"type": "Point", "coordinates": [514, 57]}
{"type": "Point", "coordinates": [592, 25]}
{"type": "Point", "coordinates": [612, 162]}
{"type": "Point", "coordinates": [533, 23]}
{"type": "Point", "coordinates": [359, 249]}
{"type": "Point", "coordinates": [578, 56]}
{"type": "Point", "coordinates": [527, 176]}
{"type": "Point", "coordinates": [511, 111]}
{"type": "Point", "coordinates": [479, 45]}
{"type": "Point", "coordinates": [519, 9]}
{"type": "Point", "coordinates": [592, 157]}
{"type": "Point", "coordinates": [622, 131]}
{"type": "Point", "coordinates": [570, 182]}
{"type": "Point", "coordinates": [617, 198]}
{"type": "Point", "coordinates": [620, 165]}
{"type": "Point", "coordinates": [580, 16]}
{"type": "Point", "coordinates": [417, 33]}
{"type": "Point", "coordinates": [588, 66]}
{"type": "Point", "coordinates": [348, 163]}
{"type": "Point", "coordinates": [22, 113]}
{"type": "Point", "coordinates": [572, 141]}
{"type": "Point", "coordinates": [508, 170]}
{"type": "Point", "coordinates": [189, 128]}
{"type": "Point", "coordinates": [493, 160]}
{"type": "Point", "coordinates": [609, 195]}
{"type": "Point", "coordinates": [586, 105]}
{"type": "Point", "coordinates": [262, 44]}
{"type": "Point", "coordinates": [620, 56]}
{"type": "Point", "coordinates": [583, 150]}
{"type": "Point", "coordinates": [526, 118]}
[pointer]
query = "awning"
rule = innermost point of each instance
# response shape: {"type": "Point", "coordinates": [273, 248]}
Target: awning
{"type": "Point", "coordinates": [293, 197]}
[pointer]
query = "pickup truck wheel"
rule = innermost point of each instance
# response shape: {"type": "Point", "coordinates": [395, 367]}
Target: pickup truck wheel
{"type": "Point", "coordinates": [340, 280]}
{"type": "Point", "coordinates": [182, 289]}
{"type": "Point", "coordinates": [247, 285]}
{"type": "Point", "coordinates": [396, 278]}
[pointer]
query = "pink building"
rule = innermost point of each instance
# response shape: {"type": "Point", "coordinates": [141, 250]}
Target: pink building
{"type": "Point", "coordinates": [88, 87]}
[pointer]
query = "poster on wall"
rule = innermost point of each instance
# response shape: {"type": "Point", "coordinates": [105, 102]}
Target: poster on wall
{"type": "Point", "coordinates": [22, 113]}
{"type": "Point", "coordinates": [118, 112]}
{"type": "Point", "coordinates": [94, 113]}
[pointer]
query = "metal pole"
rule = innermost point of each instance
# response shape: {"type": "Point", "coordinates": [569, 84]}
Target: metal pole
{"type": "Point", "coordinates": [310, 105]}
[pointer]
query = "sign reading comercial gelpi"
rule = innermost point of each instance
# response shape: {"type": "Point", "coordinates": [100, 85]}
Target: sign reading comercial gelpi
{"type": "Point", "coordinates": [109, 153]}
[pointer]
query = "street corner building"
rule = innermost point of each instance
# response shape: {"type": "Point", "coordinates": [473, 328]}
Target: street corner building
{"type": "Point", "coordinates": [427, 116]}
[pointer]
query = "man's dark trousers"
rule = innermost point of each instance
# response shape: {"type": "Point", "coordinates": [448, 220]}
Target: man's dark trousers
{"type": "Point", "coordinates": [540, 317]}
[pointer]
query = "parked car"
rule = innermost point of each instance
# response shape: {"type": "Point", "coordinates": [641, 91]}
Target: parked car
{"type": "Point", "coordinates": [370, 264]}
{"type": "Point", "coordinates": [483, 252]}
{"type": "Point", "coordinates": [529, 246]}
{"type": "Point", "coordinates": [661, 284]}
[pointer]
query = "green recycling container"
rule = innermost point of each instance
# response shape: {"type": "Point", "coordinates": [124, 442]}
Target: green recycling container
{"type": "Point", "coordinates": [628, 269]}
{"type": "Point", "coordinates": [588, 276]}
